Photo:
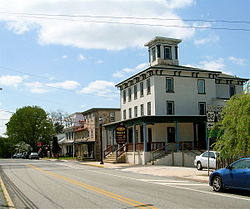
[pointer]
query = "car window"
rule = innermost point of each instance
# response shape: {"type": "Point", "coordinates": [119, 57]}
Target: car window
{"type": "Point", "coordinates": [205, 154]}
{"type": "Point", "coordinates": [211, 154]}
{"type": "Point", "coordinates": [243, 164]}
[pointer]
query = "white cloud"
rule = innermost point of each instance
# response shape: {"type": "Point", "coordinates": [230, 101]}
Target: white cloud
{"type": "Point", "coordinates": [124, 72]}
{"type": "Point", "coordinates": [211, 64]}
{"type": "Point", "coordinates": [64, 57]}
{"type": "Point", "coordinates": [64, 85]}
{"type": "Point", "coordinates": [210, 39]}
{"type": "Point", "coordinates": [100, 88]}
{"type": "Point", "coordinates": [81, 57]}
{"type": "Point", "coordinates": [37, 87]}
{"type": "Point", "coordinates": [84, 32]}
{"type": "Point", "coordinates": [238, 61]}
{"type": "Point", "coordinates": [10, 80]}
{"type": "Point", "coordinates": [217, 64]}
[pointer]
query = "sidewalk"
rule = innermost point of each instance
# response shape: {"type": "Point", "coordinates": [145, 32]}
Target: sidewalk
{"type": "Point", "coordinates": [156, 170]}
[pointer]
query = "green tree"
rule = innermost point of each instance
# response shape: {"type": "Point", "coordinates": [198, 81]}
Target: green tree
{"type": "Point", "coordinates": [234, 137]}
{"type": "Point", "coordinates": [21, 147]}
{"type": "Point", "coordinates": [55, 146]}
{"type": "Point", "coordinates": [7, 148]}
{"type": "Point", "coordinates": [30, 124]}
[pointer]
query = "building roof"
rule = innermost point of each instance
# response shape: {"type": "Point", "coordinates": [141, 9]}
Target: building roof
{"type": "Point", "coordinates": [159, 39]}
{"type": "Point", "coordinates": [99, 109]}
{"type": "Point", "coordinates": [181, 68]}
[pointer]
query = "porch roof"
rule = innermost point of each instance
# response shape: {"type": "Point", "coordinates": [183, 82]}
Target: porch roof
{"type": "Point", "coordinates": [158, 119]}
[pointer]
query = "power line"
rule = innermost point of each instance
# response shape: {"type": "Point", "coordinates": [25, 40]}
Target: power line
{"type": "Point", "coordinates": [131, 17]}
{"type": "Point", "coordinates": [51, 17]}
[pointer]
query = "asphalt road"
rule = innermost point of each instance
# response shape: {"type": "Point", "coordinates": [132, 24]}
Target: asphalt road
{"type": "Point", "coordinates": [45, 184]}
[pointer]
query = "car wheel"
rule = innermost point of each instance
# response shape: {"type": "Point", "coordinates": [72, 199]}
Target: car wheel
{"type": "Point", "coordinates": [217, 184]}
{"type": "Point", "coordinates": [199, 166]}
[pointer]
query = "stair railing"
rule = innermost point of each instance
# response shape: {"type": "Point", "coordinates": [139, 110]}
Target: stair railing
{"type": "Point", "coordinates": [121, 150]}
{"type": "Point", "coordinates": [161, 151]}
{"type": "Point", "coordinates": [108, 150]}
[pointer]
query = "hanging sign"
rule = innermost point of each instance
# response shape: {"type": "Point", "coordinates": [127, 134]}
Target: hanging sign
{"type": "Point", "coordinates": [121, 134]}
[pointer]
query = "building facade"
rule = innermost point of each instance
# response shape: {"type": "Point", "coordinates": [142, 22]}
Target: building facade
{"type": "Point", "coordinates": [166, 104]}
{"type": "Point", "coordinates": [87, 140]}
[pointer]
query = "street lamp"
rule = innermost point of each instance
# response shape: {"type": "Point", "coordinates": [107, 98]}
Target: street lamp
{"type": "Point", "coordinates": [100, 123]}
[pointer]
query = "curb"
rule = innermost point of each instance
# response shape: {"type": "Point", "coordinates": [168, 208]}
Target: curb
{"type": "Point", "coordinates": [99, 166]}
{"type": "Point", "coordinates": [6, 195]}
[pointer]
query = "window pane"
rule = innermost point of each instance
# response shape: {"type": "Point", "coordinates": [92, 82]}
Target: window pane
{"type": "Point", "coordinates": [149, 108]}
{"type": "Point", "coordinates": [158, 51]}
{"type": "Point", "coordinates": [135, 91]}
{"type": "Point", "coordinates": [142, 109]}
{"type": "Point", "coordinates": [201, 86]}
{"type": "Point", "coordinates": [141, 89]}
{"type": "Point", "coordinates": [169, 85]}
{"type": "Point", "coordinates": [129, 94]}
{"type": "Point", "coordinates": [148, 86]}
{"type": "Point", "coordinates": [153, 54]}
{"type": "Point", "coordinates": [167, 52]}
{"type": "Point", "coordinates": [232, 90]}
{"type": "Point", "coordinates": [124, 96]}
{"type": "Point", "coordinates": [202, 108]}
{"type": "Point", "coordinates": [170, 108]}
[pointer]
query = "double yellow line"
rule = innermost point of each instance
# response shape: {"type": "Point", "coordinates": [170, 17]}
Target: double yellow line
{"type": "Point", "coordinates": [96, 189]}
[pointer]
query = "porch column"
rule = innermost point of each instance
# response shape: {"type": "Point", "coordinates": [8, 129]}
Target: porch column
{"type": "Point", "coordinates": [145, 137]}
{"type": "Point", "coordinates": [134, 130]}
{"type": "Point", "coordinates": [177, 133]}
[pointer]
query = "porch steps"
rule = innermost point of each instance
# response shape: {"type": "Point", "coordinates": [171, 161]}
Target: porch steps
{"type": "Point", "coordinates": [111, 158]}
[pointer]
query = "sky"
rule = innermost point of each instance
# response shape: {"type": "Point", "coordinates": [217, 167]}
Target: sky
{"type": "Point", "coordinates": [68, 55]}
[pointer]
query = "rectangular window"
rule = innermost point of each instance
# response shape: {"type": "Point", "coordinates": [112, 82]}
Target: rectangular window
{"type": "Point", "coordinates": [141, 89]}
{"type": "Point", "coordinates": [169, 85]}
{"type": "Point", "coordinates": [142, 109]}
{"type": "Point", "coordinates": [201, 86]}
{"type": "Point", "coordinates": [124, 114]}
{"type": "Point", "coordinates": [202, 108]}
{"type": "Point", "coordinates": [130, 113]}
{"type": "Point", "coordinates": [158, 51]}
{"type": "Point", "coordinates": [124, 96]}
{"type": "Point", "coordinates": [135, 91]}
{"type": "Point", "coordinates": [148, 86]}
{"type": "Point", "coordinates": [111, 116]}
{"type": "Point", "coordinates": [149, 108]}
{"type": "Point", "coordinates": [167, 53]}
{"type": "Point", "coordinates": [153, 54]}
{"type": "Point", "coordinates": [231, 90]}
{"type": "Point", "coordinates": [136, 111]}
{"type": "Point", "coordinates": [129, 94]}
{"type": "Point", "coordinates": [170, 107]}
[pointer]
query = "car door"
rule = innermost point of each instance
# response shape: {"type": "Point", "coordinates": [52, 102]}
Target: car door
{"type": "Point", "coordinates": [238, 175]}
{"type": "Point", "coordinates": [204, 159]}
{"type": "Point", "coordinates": [212, 160]}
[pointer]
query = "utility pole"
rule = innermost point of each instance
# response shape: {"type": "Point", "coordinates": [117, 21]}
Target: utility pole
{"type": "Point", "coordinates": [100, 123]}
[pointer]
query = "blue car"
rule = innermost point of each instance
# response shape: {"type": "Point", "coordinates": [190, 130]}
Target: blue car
{"type": "Point", "coordinates": [234, 176]}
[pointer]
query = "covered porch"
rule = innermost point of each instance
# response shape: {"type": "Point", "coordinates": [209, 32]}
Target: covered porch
{"type": "Point", "coordinates": [149, 135]}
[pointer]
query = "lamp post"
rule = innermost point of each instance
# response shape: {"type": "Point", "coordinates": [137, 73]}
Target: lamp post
{"type": "Point", "coordinates": [100, 123]}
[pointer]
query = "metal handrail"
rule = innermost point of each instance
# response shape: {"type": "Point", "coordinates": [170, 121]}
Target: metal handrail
{"type": "Point", "coordinates": [121, 150]}
{"type": "Point", "coordinates": [108, 150]}
{"type": "Point", "coordinates": [164, 148]}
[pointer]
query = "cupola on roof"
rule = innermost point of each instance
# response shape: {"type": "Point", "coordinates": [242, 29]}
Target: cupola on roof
{"type": "Point", "coordinates": [163, 51]}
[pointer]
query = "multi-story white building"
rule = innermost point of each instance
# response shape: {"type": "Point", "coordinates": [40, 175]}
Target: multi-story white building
{"type": "Point", "coordinates": [167, 103]}
{"type": "Point", "coordinates": [71, 123]}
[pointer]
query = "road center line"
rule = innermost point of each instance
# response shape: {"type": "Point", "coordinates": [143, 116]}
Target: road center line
{"type": "Point", "coordinates": [95, 189]}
